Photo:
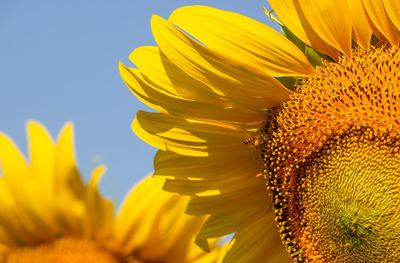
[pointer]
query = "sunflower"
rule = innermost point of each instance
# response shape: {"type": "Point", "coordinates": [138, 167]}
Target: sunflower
{"type": "Point", "coordinates": [290, 141]}
{"type": "Point", "coordinates": [49, 215]}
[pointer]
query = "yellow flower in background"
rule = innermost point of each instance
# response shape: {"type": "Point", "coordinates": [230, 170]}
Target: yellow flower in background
{"type": "Point", "coordinates": [313, 114]}
{"type": "Point", "coordinates": [49, 215]}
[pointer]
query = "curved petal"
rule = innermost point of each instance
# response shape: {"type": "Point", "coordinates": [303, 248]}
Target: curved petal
{"type": "Point", "coordinates": [12, 162]}
{"type": "Point", "coordinates": [42, 154]}
{"type": "Point", "coordinates": [166, 88]}
{"type": "Point", "coordinates": [362, 32]}
{"type": "Point", "coordinates": [12, 232]}
{"type": "Point", "coordinates": [203, 176]}
{"type": "Point", "coordinates": [65, 167]}
{"type": "Point", "coordinates": [381, 21]}
{"type": "Point", "coordinates": [245, 39]}
{"type": "Point", "coordinates": [230, 202]}
{"type": "Point", "coordinates": [292, 15]}
{"type": "Point", "coordinates": [392, 8]}
{"type": "Point", "coordinates": [239, 208]}
{"type": "Point", "coordinates": [100, 211]}
{"type": "Point", "coordinates": [258, 242]}
{"type": "Point", "coordinates": [215, 256]}
{"type": "Point", "coordinates": [134, 220]}
{"type": "Point", "coordinates": [162, 73]}
{"type": "Point", "coordinates": [139, 229]}
{"type": "Point", "coordinates": [226, 75]}
{"type": "Point", "coordinates": [331, 21]}
{"type": "Point", "coordinates": [179, 167]}
{"type": "Point", "coordinates": [188, 137]}
{"type": "Point", "coordinates": [34, 218]}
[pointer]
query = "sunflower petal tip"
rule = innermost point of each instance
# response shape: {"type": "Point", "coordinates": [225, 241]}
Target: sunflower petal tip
{"type": "Point", "coordinates": [68, 126]}
{"type": "Point", "coordinates": [98, 173]}
{"type": "Point", "coordinates": [31, 124]}
{"type": "Point", "coordinates": [156, 19]}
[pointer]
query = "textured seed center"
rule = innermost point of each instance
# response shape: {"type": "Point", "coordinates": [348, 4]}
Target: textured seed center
{"type": "Point", "coordinates": [332, 161]}
{"type": "Point", "coordinates": [348, 200]}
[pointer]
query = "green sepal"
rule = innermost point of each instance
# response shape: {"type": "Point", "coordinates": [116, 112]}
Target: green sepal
{"type": "Point", "coordinates": [293, 38]}
{"type": "Point", "coordinates": [311, 54]}
{"type": "Point", "coordinates": [255, 130]}
{"type": "Point", "coordinates": [374, 40]}
{"type": "Point", "coordinates": [288, 81]}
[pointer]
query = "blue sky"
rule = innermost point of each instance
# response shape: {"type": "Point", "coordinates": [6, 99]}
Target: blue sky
{"type": "Point", "coordinates": [59, 62]}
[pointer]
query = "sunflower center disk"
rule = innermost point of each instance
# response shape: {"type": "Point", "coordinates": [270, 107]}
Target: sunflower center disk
{"type": "Point", "coordinates": [332, 161]}
{"type": "Point", "coordinates": [65, 250]}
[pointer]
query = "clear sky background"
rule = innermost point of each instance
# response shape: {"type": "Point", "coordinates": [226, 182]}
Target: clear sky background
{"type": "Point", "coordinates": [59, 62]}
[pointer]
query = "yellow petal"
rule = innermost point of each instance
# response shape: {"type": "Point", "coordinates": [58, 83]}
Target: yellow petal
{"type": "Point", "coordinates": [12, 161]}
{"type": "Point", "coordinates": [167, 78]}
{"type": "Point", "coordinates": [215, 256]}
{"type": "Point", "coordinates": [214, 69]}
{"type": "Point", "coordinates": [227, 202]}
{"type": "Point", "coordinates": [135, 220]}
{"type": "Point", "coordinates": [7, 239]}
{"type": "Point", "coordinates": [293, 16]}
{"type": "Point", "coordinates": [245, 39]}
{"type": "Point", "coordinates": [202, 187]}
{"type": "Point", "coordinates": [66, 169]}
{"type": "Point", "coordinates": [151, 223]}
{"type": "Point", "coordinates": [140, 88]}
{"type": "Point", "coordinates": [173, 234]}
{"type": "Point", "coordinates": [162, 96]}
{"type": "Point", "coordinates": [32, 214]}
{"type": "Point", "coordinates": [259, 241]}
{"type": "Point", "coordinates": [42, 154]}
{"type": "Point", "coordinates": [69, 185]}
{"type": "Point", "coordinates": [331, 21]}
{"type": "Point", "coordinates": [180, 167]}
{"type": "Point", "coordinates": [188, 137]}
{"type": "Point", "coordinates": [362, 32]}
{"type": "Point", "coordinates": [381, 21]}
{"type": "Point", "coordinates": [12, 232]}
{"type": "Point", "coordinates": [100, 211]}
{"type": "Point", "coordinates": [222, 224]}
{"type": "Point", "coordinates": [392, 8]}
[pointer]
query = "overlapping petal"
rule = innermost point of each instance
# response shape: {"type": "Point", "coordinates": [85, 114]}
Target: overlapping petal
{"type": "Point", "coordinates": [362, 32]}
{"type": "Point", "coordinates": [189, 137]}
{"type": "Point", "coordinates": [164, 227]}
{"type": "Point", "coordinates": [380, 21]}
{"type": "Point", "coordinates": [220, 72]}
{"type": "Point", "coordinates": [247, 40]}
{"type": "Point", "coordinates": [212, 88]}
{"type": "Point", "coordinates": [100, 211]}
{"type": "Point", "coordinates": [259, 241]}
{"type": "Point", "coordinates": [42, 205]}
{"type": "Point", "coordinates": [163, 86]}
{"type": "Point", "coordinates": [392, 8]}
{"type": "Point", "coordinates": [293, 16]}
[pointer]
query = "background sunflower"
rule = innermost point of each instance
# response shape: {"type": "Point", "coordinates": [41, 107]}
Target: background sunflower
{"type": "Point", "coordinates": [49, 215]}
